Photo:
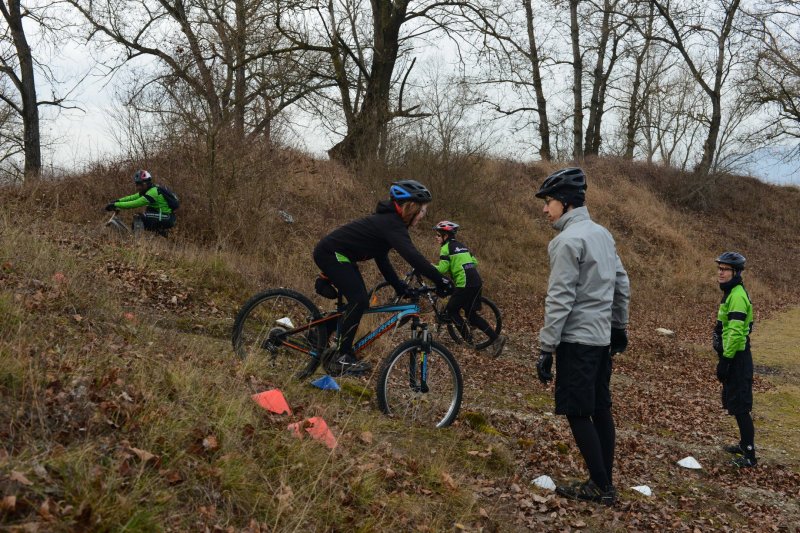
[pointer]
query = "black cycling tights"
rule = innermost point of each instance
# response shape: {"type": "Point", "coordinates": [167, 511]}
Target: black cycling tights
{"type": "Point", "coordinates": [746, 430]}
{"type": "Point", "coordinates": [596, 438]}
{"type": "Point", "coordinates": [468, 299]}
{"type": "Point", "coordinates": [346, 278]}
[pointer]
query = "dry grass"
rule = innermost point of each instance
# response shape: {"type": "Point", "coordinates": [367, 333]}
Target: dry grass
{"type": "Point", "coordinates": [96, 360]}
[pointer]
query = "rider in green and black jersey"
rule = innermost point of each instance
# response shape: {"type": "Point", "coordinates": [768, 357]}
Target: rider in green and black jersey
{"type": "Point", "coordinates": [456, 261]}
{"type": "Point", "coordinates": [158, 216]}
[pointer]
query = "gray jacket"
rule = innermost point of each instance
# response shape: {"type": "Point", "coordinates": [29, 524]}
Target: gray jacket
{"type": "Point", "coordinates": [588, 292]}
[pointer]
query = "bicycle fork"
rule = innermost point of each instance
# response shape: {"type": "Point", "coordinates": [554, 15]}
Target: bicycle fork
{"type": "Point", "coordinates": [418, 360]}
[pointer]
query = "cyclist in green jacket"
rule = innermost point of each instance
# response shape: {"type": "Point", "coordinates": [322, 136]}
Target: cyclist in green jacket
{"type": "Point", "coordinates": [456, 261]}
{"type": "Point", "coordinates": [731, 341]}
{"type": "Point", "coordinates": [158, 215]}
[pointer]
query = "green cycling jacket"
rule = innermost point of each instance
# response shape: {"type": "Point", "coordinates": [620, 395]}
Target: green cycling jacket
{"type": "Point", "coordinates": [152, 199]}
{"type": "Point", "coordinates": [457, 261]}
{"type": "Point", "coordinates": [736, 318]}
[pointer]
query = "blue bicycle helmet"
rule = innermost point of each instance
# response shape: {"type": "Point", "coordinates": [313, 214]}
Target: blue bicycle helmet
{"type": "Point", "coordinates": [734, 259]}
{"type": "Point", "coordinates": [409, 191]}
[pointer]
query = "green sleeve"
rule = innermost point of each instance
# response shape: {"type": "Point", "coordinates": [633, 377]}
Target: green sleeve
{"type": "Point", "coordinates": [734, 334]}
{"type": "Point", "coordinates": [131, 202]}
{"type": "Point", "coordinates": [444, 259]}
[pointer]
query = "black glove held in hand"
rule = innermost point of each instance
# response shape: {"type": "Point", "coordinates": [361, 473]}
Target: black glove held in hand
{"type": "Point", "coordinates": [544, 367]}
{"type": "Point", "coordinates": [111, 207]}
{"type": "Point", "coordinates": [445, 288]}
{"type": "Point", "coordinates": [619, 340]}
{"type": "Point", "coordinates": [716, 341]}
{"type": "Point", "coordinates": [724, 369]}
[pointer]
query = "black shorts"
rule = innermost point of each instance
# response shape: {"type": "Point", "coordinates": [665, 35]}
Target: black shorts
{"type": "Point", "coordinates": [737, 392]}
{"type": "Point", "coordinates": [583, 377]}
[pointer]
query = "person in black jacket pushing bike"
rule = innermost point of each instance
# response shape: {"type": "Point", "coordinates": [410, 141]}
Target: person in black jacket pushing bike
{"type": "Point", "coordinates": [457, 261]}
{"type": "Point", "coordinates": [371, 237]}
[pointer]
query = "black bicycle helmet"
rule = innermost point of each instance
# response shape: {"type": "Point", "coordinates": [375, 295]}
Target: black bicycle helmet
{"type": "Point", "coordinates": [734, 259]}
{"type": "Point", "coordinates": [567, 179]}
{"type": "Point", "coordinates": [142, 176]}
{"type": "Point", "coordinates": [409, 191]}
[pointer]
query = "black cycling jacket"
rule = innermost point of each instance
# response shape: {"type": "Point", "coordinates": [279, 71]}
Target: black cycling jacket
{"type": "Point", "coordinates": [372, 237]}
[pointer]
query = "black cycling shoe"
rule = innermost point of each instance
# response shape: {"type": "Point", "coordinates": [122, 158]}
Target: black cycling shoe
{"type": "Point", "coordinates": [735, 449]}
{"type": "Point", "coordinates": [588, 492]}
{"type": "Point", "coordinates": [347, 364]}
{"type": "Point", "coordinates": [743, 461]}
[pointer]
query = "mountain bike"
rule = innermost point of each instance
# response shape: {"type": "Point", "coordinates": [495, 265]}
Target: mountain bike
{"type": "Point", "coordinates": [118, 227]}
{"type": "Point", "coordinates": [383, 293]}
{"type": "Point", "coordinates": [419, 381]}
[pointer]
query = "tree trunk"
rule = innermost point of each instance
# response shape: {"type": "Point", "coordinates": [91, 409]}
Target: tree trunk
{"type": "Point", "coordinates": [592, 144]}
{"type": "Point", "coordinates": [577, 84]}
{"type": "Point", "coordinates": [362, 141]}
{"type": "Point", "coordinates": [541, 102]}
{"type": "Point", "coordinates": [240, 81]}
{"type": "Point", "coordinates": [26, 85]}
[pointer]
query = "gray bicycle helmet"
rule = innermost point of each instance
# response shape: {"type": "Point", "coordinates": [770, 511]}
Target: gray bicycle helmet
{"type": "Point", "coordinates": [409, 191]}
{"type": "Point", "coordinates": [734, 259]}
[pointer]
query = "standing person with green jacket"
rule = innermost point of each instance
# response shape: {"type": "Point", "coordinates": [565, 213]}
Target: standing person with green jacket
{"type": "Point", "coordinates": [586, 313]}
{"type": "Point", "coordinates": [158, 216]}
{"type": "Point", "coordinates": [731, 341]}
{"type": "Point", "coordinates": [456, 261]}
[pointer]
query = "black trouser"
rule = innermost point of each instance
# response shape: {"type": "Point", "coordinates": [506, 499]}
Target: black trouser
{"type": "Point", "coordinates": [347, 279]}
{"type": "Point", "coordinates": [155, 221]}
{"type": "Point", "coordinates": [468, 299]}
{"type": "Point", "coordinates": [583, 393]}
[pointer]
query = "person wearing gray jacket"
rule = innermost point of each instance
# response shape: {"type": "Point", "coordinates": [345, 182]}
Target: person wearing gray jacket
{"type": "Point", "coordinates": [586, 315]}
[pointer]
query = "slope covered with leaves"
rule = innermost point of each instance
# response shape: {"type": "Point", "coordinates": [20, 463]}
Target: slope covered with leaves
{"type": "Point", "coordinates": [123, 407]}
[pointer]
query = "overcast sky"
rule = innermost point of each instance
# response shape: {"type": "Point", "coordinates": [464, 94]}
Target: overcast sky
{"type": "Point", "coordinates": [82, 136]}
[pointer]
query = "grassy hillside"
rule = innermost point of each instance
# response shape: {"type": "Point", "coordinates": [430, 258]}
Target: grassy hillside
{"type": "Point", "coordinates": [122, 406]}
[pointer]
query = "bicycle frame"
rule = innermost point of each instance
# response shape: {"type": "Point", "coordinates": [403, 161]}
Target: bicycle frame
{"type": "Point", "coordinates": [401, 312]}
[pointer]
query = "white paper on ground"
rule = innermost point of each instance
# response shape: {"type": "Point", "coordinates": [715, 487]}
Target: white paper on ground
{"type": "Point", "coordinates": [666, 332]}
{"type": "Point", "coordinates": [544, 482]}
{"type": "Point", "coordinates": [690, 462]}
{"type": "Point", "coordinates": [285, 321]}
{"type": "Point", "coordinates": [644, 489]}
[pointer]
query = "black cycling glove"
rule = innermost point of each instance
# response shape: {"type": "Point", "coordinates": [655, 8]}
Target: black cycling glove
{"type": "Point", "coordinates": [544, 367]}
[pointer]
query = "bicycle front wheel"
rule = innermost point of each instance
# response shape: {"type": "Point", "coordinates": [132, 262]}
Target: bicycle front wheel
{"type": "Point", "coordinates": [262, 323]}
{"type": "Point", "coordinates": [477, 338]}
{"type": "Point", "coordinates": [421, 386]}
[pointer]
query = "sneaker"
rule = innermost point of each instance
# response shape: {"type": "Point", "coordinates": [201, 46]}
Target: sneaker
{"type": "Point", "coordinates": [588, 492]}
{"type": "Point", "coordinates": [496, 348]}
{"type": "Point", "coordinates": [735, 449]}
{"type": "Point", "coordinates": [744, 461]}
{"type": "Point", "coordinates": [348, 364]}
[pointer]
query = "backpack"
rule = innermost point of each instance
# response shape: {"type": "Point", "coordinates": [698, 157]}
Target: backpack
{"type": "Point", "coordinates": [172, 199]}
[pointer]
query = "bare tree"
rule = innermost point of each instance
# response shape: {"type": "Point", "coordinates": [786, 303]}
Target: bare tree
{"type": "Point", "coordinates": [219, 64]}
{"type": "Point", "coordinates": [713, 30]}
{"type": "Point", "coordinates": [775, 85]}
{"type": "Point", "coordinates": [19, 67]}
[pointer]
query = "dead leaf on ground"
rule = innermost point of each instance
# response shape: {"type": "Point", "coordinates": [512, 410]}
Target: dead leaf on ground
{"type": "Point", "coordinates": [20, 478]}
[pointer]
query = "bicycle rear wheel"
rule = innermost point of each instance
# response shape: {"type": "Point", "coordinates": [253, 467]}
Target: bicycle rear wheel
{"type": "Point", "coordinates": [419, 387]}
{"type": "Point", "coordinates": [260, 326]}
{"type": "Point", "coordinates": [480, 340]}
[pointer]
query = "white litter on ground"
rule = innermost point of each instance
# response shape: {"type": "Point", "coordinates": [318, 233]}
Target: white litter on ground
{"type": "Point", "coordinates": [285, 321]}
{"type": "Point", "coordinates": [544, 482]}
{"type": "Point", "coordinates": [644, 489]}
{"type": "Point", "coordinates": [665, 332]}
{"type": "Point", "coordinates": [690, 462]}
